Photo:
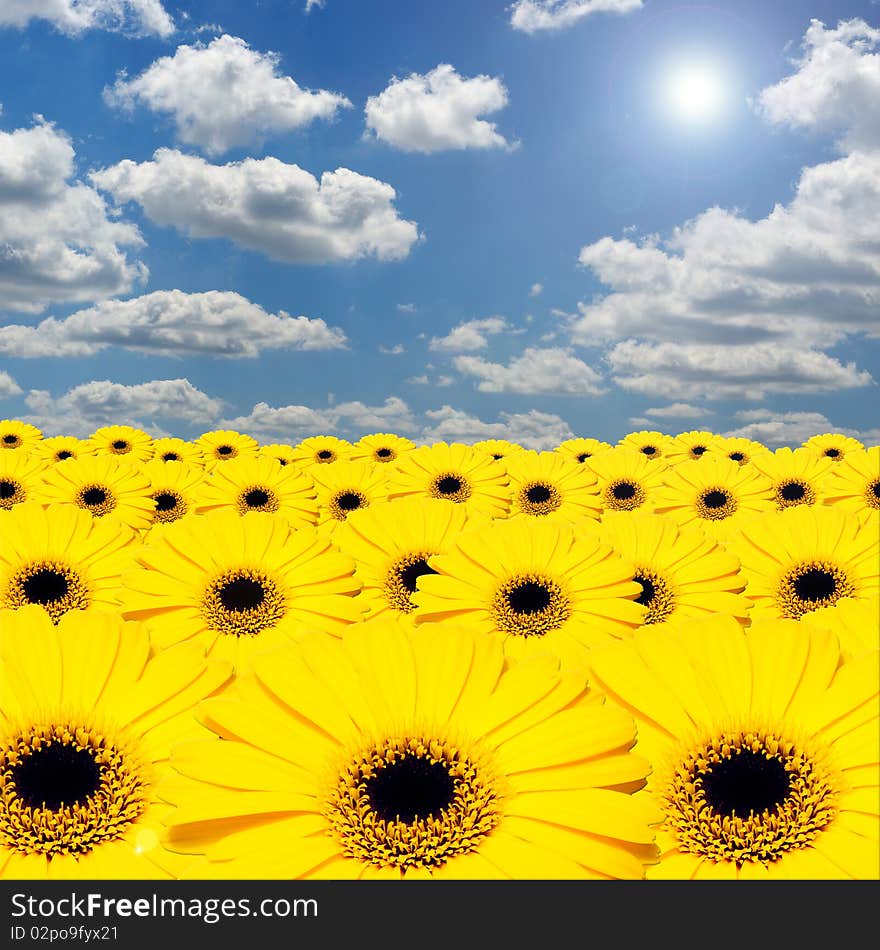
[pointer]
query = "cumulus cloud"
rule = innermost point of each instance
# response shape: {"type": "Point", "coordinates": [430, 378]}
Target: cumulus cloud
{"type": "Point", "coordinates": [786, 428]}
{"type": "Point", "coordinates": [224, 95]}
{"type": "Point", "coordinates": [708, 371]}
{"type": "Point", "coordinates": [91, 405]}
{"type": "Point", "coordinates": [172, 323]}
{"type": "Point", "coordinates": [58, 241]}
{"type": "Point", "coordinates": [533, 429]}
{"type": "Point", "coordinates": [264, 204]}
{"type": "Point", "coordinates": [349, 419]}
{"type": "Point", "coordinates": [535, 290]}
{"type": "Point", "coordinates": [437, 111]}
{"type": "Point", "coordinates": [395, 350]}
{"type": "Point", "coordinates": [140, 17]}
{"type": "Point", "coordinates": [532, 16]}
{"type": "Point", "coordinates": [678, 410]}
{"type": "Point", "coordinates": [8, 386]}
{"type": "Point", "coordinates": [468, 336]}
{"type": "Point", "coordinates": [552, 370]}
{"type": "Point", "coordinates": [836, 87]}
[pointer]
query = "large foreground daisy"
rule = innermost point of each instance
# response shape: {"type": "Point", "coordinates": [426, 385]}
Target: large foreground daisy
{"type": "Point", "coordinates": [542, 584]}
{"type": "Point", "coordinates": [855, 622]}
{"type": "Point", "coordinates": [764, 753]}
{"type": "Point", "coordinates": [548, 485]}
{"type": "Point", "coordinates": [801, 559]}
{"type": "Point", "coordinates": [86, 724]}
{"type": "Point", "coordinates": [855, 482]}
{"type": "Point", "coordinates": [239, 585]}
{"type": "Point", "coordinates": [397, 754]}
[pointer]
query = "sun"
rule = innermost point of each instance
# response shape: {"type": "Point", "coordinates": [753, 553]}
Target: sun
{"type": "Point", "coordinates": [695, 92]}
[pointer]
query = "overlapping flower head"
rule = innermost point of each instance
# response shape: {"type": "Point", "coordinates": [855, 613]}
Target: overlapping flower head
{"type": "Point", "coordinates": [371, 659]}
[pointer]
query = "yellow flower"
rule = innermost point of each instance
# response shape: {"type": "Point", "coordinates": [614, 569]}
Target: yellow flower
{"type": "Point", "coordinates": [653, 445]}
{"type": "Point", "coordinates": [581, 449]}
{"type": "Point", "coordinates": [224, 445]}
{"type": "Point", "coordinates": [798, 477]}
{"type": "Point", "coordinates": [738, 449]}
{"type": "Point", "coordinates": [20, 479]}
{"type": "Point", "coordinates": [345, 488]}
{"type": "Point", "coordinates": [61, 447]}
{"type": "Point", "coordinates": [321, 450]}
{"type": "Point", "coordinates": [690, 446]}
{"type": "Point", "coordinates": [381, 447]}
{"type": "Point", "coordinates": [832, 445]}
{"type": "Point", "coordinates": [18, 435]}
{"type": "Point", "coordinates": [854, 484]}
{"type": "Point", "coordinates": [178, 450]}
{"type": "Point", "coordinates": [627, 480]}
{"type": "Point", "coordinates": [548, 485]}
{"type": "Point", "coordinates": [133, 444]}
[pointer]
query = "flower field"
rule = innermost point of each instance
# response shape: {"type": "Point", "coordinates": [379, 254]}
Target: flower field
{"type": "Point", "coordinates": [371, 660]}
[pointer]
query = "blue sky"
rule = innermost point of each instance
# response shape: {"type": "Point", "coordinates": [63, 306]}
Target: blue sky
{"type": "Point", "coordinates": [450, 220]}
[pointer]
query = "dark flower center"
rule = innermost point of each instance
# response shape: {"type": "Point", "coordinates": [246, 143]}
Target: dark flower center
{"type": "Point", "coordinates": [165, 501]}
{"type": "Point", "coordinates": [120, 444]}
{"type": "Point", "coordinates": [170, 457]}
{"type": "Point", "coordinates": [256, 498]}
{"type": "Point", "coordinates": [383, 453]}
{"type": "Point", "coordinates": [497, 457]}
{"type": "Point", "coordinates": [45, 586]}
{"type": "Point", "coordinates": [649, 449]}
{"type": "Point", "coordinates": [736, 456]}
{"type": "Point", "coordinates": [538, 493]}
{"type": "Point", "coordinates": [832, 453]}
{"type": "Point", "coordinates": [410, 574]}
{"type": "Point", "coordinates": [624, 491]}
{"type": "Point", "coordinates": [747, 782]}
{"type": "Point", "coordinates": [793, 491]}
{"type": "Point", "coordinates": [325, 455]}
{"type": "Point", "coordinates": [56, 775]}
{"type": "Point", "coordinates": [876, 489]}
{"type": "Point", "coordinates": [583, 456]}
{"type": "Point", "coordinates": [410, 788]}
{"type": "Point", "coordinates": [449, 485]}
{"type": "Point", "coordinates": [698, 449]}
{"type": "Point", "coordinates": [648, 590]}
{"type": "Point", "coordinates": [242, 594]}
{"type": "Point", "coordinates": [94, 496]}
{"type": "Point", "coordinates": [7, 489]}
{"type": "Point", "coordinates": [815, 584]}
{"type": "Point", "coordinates": [715, 499]}
{"type": "Point", "coordinates": [224, 450]}
{"type": "Point", "coordinates": [64, 454]}
{"type": "Point", "coordinates": [10, 439]}
{"type": "Point", "coordinates": [528, 598]}
{"type": "Point", "coordinates": [348, 501]}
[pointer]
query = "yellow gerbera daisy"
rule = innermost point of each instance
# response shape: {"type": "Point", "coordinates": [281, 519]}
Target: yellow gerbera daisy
{"type": "Point", "coordinates": [653, 445]}
{"type": "Point", "coordinates": [452, 472]}
{"type": "Point", "coordinates": [321, 450]}
{"type": "Point", "coordinates": [133, 444]}
{"type": "Point", "coordinates": [797, 476]}
{"type": "Point", "coordinates": [581, 449]}
{"type": "Point", "coordinates": [627, 480]}
{"type": "Point", "coordinates": [61, 447]}
{"type": "Point", "coordinates": [345, 488]}
{"type": "Point", "coordinates": [61, 558]}
{"type": "Point", "coordinates": [690, 446]}
{"type": "Point", "coordinates": [174, 488]}
{"type": "Point", "coordinates": [258, 485]}
{"type": "Point", "coordinates": [855, 483]}
{"type": "Point", "coordinates": [283, 453]}
{"type": "Point", "coordinates": [20, 478]}
{"type": "Point", "coordinates": [104, 486]}
{"type": "Point", "coordinates": [178, 450]}
{"type": "Point", "coordinates": [18, 435]}
{"type": "Point", "coordinates": [239, 585]}
{"type": "Point", "coordinates": [391, 543]}
{"type": "Point", "coordinates": [499, 449]}
{"type": "Point", "coordinates": [833, 445]}
{"type": "Point", "coordinates": [545, 587]}
{"type": "Point", "coordinates": [548, 485]}
{"type": "Point", "coordinates": [224, 445]}
{"type": "Point", "coordinates": [801, 559]}
{"type": "Point", "coordinates": [682, 572]}
{"type": "Point", "coordinates": [382, 447]}
{"type": "Point", "coordinates": [738, 449]}
{"type": "Point", "coordinates": [401, 754]}
{"type": "Point", "coordinates": [854, 622]}
{"type": "Point", "coordinates": [86, 725]}
{"type": "Point", "coordinates": [715, 493]}
{"type": "Point", "coordinates": [764, 758]}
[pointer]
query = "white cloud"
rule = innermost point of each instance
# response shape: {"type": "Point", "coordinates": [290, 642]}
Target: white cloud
{"type": "Point", "coordinates": [533, 429]}
{"type": "Point", "coordinates": [437, 111]}
{"type": "Point", "coordinates": [530, 16]}
{"type": "Point", "coordinates": [314, 4]}
{"type": "Point", "coordinates": [747, 371]}
{"type": "Point", "coordinates": [8, 386]}
{"type": "Point", "coordinates": [172, 323]}
{"type": "Point", "coordinates": [58, 242]}
{"type": "Point", "coordinates": [224, 95]}
{"type": "Point", "coordinates": [468, 336]}
{"type": "Point", "coordinates": [406, 307]}
{"type": "Point", "coordinates": [836, 86]}
{"type": "Point", "coordinates": [418, 380]}
{"type": "Point", "coordinates": [786, 428]}
{"type": "Point", "coordinates": [678, 410]}
{"type": "Point", "coordinates": [535, 289]}
{"type": "Point", "coordinates": [141, 17]}
{"type": "Point", "coordinates": [395, 350]}
{"type": "Point", "coordinates": [264, 204]}
{"type": "Point", "coordinates": [348, 419]}
{"type": "Point", "coordinates": [85, 408]}
{"type": "Point", "coordinates": [552, 370]}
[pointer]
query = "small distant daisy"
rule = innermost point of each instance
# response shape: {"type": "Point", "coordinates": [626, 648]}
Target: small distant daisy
{"type": "Point", "coordinates": [178, 450]}
{"type": "Point", "coordinates": [798, 476]}
{"type": "Point", "coordinates": [61, 447]}
{"type": "Point", "coordinates": [20, 479]}
{"type": "Point", "coordinates": [18, 435]}
{"type": "Point", "coordinates": [104, 486]}
{"type": "Point", "coordinates": [548, 485]}
{"type": "Point", "coordinates": [689, 446]}
{"type": "Point", "coordinates": [134, 444]}
{"type": "Point", "coordinates": [738, 449]}
{"type": "Point", "coordinates": [257, 485]}
{"type": "Point", "coordinates": [174, 488]}
{"type": "Point", "coordinates": [833, 445]}
{"type": "Point", "coordinates": [452, 472]}
{"type": "Point", "coordinates": [381, 447]}
{"type": "Point", "coordinates": [391, 543]}
{"type": "Point", "coordinates": [321, 450]}
{"type": "Point", "coordinates": [499, 449]}
{"type": "Point", "coordinates": [582, 449]}
{"type": "Point", "coordinates": [653, 445]}
{"type": "Point", "coordinates": [345, 488]}
{"type": "Point", "coordinates": [798, 560]}
{"type": "Point", "coordinates": [855, 483]}
{"type": "Point", "coordinates": [627, 480]}
{"type": "Point", "coordinates": [283, 453]}
{"type": "Point", "coordinates": [224, 445]}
